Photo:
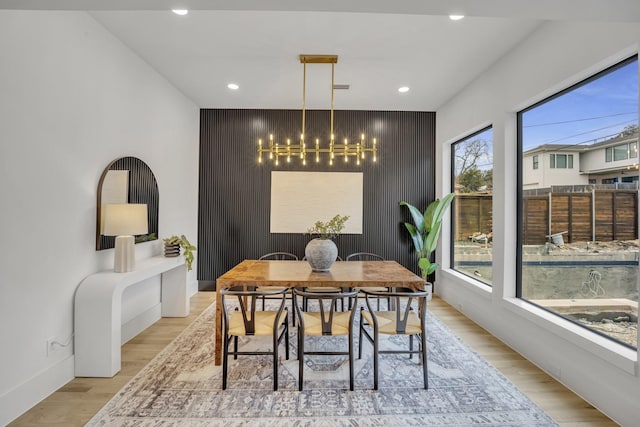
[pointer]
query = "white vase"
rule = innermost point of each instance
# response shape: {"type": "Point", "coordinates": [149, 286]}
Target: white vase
{"type": "Point", "coordinates": [321, 254]}
{"type": "Point", "coordinates": [428, 286]}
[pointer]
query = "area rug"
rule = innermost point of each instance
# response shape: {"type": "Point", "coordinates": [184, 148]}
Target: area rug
{"type": "Point", "coordinates": [182, 387]}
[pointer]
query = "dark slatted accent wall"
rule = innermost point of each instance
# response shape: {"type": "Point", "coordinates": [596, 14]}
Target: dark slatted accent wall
{"type": "Point", "coordinates": [234, 193]}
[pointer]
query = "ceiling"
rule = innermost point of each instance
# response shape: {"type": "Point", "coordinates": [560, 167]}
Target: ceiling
{"type": "Point", "coordinates": [381, 45]}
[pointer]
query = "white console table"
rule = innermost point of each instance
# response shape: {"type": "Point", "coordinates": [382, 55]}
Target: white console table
{"type": "Point", "coordinates": [98, 311]}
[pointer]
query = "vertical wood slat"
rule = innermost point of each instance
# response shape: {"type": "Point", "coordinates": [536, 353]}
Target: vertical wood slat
{"type": "Point", "coordinates": [234, 190]}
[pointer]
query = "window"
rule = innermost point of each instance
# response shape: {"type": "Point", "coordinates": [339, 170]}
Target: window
{"type": "Point", "coordinates": [535, 161]}
{"type": "Point", "coordinates": [472, 209]}
{"type": "Point", "coordinates": [620, 152]}
{"type": "Point", "coordinates": [559, 267]}
{"type": "Point", "coordinates": [561, 161]}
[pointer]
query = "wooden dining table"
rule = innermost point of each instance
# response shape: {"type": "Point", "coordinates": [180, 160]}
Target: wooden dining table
{"type": "Point", "coordinates": [291, 274]}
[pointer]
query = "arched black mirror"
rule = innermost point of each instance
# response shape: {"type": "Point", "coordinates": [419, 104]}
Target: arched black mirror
{"type": "Point", "coordinates": [127, 180]}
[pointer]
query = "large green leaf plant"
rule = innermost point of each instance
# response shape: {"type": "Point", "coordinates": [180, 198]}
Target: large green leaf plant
{"type": "Point", "coordinates": [425, 231]}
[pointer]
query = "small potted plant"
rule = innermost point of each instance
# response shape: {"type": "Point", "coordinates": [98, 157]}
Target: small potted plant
{"type": "Point", "coordinates": [425, 232]}
{"type": "Point", "coordinates": [172, 247]}
{"type": "Point", "coordinates": [321, 252]}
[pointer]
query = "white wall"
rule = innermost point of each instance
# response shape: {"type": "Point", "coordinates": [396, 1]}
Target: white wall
{"type": "Point", "coordinates": [554, 56]}
{"type": "Point", "coordinates": [72, 99]}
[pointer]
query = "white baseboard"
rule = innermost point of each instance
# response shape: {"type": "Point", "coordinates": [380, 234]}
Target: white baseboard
{"type": "Point", "coordinates": [23, 397]}
{"type": "Point", "coordinates": [139, 323]}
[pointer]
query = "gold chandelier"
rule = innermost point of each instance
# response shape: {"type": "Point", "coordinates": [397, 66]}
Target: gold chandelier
{"type": "Point", "coordinates": [276, 149]}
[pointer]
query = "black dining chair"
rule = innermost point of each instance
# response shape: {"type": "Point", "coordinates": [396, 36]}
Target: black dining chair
{"type": "Point", "coordinates": [323, 289]}
{"type": "Point", "coordinates": [399, 320]}
{"type": "Point", "coordinates": [326, 321]}
{"type": "Point", "coordinates": [245, 321]}
{"type": "Point", "coordinates": [368, 256]}
{"type": "Point", "coordinates": [279, 256]}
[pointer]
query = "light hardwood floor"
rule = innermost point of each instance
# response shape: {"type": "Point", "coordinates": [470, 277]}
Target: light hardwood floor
{"type": "Point", "coordinates": [76, 402]}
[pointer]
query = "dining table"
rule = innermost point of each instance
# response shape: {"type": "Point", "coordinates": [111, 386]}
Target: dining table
{"type": "Point", "coordinates": [298, 274]}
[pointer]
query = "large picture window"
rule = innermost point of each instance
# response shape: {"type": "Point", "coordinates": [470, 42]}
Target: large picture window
{"type": "Point", "coordinates": [578, 240]}
{"type": "Point", "coordinates": [472, 210]}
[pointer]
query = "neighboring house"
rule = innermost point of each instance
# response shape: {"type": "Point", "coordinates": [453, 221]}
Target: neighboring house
{"type": "Point", "coordinates": [608, 162]}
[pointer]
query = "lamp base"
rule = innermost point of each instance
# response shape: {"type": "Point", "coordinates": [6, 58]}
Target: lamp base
{"type": "Point", "coordinates": [125, 254]}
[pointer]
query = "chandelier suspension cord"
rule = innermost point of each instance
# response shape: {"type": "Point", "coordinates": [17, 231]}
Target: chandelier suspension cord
{"type": "Point", "coordinates": [304, 97]}
{"type": "Point", "coordinates": [332, 85]}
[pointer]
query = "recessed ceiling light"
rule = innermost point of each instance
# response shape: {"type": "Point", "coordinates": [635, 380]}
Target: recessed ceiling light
{"type": "Point", "coordinates": [233, 86]}
{"type": "Point", "coordinates": [180, 12]}
{"type": "Point", "coordinates": [456, 17]}
{"type": "Point", "coordinates": [403, 89]}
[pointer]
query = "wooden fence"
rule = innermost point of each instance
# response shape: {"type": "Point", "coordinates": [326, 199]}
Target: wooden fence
{"type": "Point", "coordinates": [473, 214]}
{"type": "Point", "coordinates": [600, 215]}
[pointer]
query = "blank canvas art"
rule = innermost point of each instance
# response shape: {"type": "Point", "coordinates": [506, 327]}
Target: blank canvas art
{"type": "Point", "coordinates": [299, 199]}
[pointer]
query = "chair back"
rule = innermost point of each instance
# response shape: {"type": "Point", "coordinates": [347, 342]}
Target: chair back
{"type": "Point", "coordinates": [281, 256]}
{"type": "Point", "coordinates": [304, 258]}
{"type": "Point", "coordinates": [247, 297]}
{"type": "Point", "coordinates": [326, 306]}
{"type": "Point", "coordinates": [364, 256]}
{"type": "Point", "coordinates": [402, 311]}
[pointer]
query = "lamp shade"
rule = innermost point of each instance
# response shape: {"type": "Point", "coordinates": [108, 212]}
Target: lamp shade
{"type": "Point", "coordinates": [126, 219]}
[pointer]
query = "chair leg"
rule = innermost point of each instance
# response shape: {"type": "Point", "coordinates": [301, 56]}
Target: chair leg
{"type": "Point", "coordinates": [263, 303]}
{"type": "Point", "coordinates": [424, 360]}
{"type": "Point", "coordinates": [225, 360]}
{"type": "Point", "coordinates": [286, 336]}
{"type": "Point", "coordinates": [410, 346]}
{"type": "Point", "coordinates": [293, 311]}
{"type": "Point", "coordinates": [351, 376]}
{"type": "Point", "coordinates": [235, 347]}
{"type": "Point", "coordinates": [375, 358]}
{"type": "Point", "coordinates": [360, 337]}
{"type": "Point", "coordinates": [275, 360]}
{"type": "Point", "coordinates": [300, 358]}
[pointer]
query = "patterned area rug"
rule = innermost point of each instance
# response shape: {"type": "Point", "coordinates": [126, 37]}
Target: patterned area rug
{"type": "Point", "coordinates": [182, 387]}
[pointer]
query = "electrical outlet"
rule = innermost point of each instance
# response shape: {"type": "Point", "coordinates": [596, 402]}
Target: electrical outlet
{"type": "Point", "coordinates": [50, 347]}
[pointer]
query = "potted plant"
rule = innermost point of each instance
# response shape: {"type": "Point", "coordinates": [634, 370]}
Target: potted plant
{"type": "Point", "coordinates": [172, 247]}
{"type": "Point", "coordinates": [425, 232]}
{"type": "Point", "coordinates": [321, 252]}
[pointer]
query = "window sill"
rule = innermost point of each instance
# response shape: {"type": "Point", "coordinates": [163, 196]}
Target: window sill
{"type": "Point", "coordinates": [468, 282]}
{"type": "Point", "coordinates": [616, 354]}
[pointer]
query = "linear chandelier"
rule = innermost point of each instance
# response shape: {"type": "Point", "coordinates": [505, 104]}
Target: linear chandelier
{"type": "Point", "coordinates": [275, 149]}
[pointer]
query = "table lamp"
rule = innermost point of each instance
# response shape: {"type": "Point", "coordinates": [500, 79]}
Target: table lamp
{"type": "Point", "coordinates": [125, 221]}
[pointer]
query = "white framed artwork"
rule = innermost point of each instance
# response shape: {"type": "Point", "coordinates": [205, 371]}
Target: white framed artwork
{"type": "Point", "coordinates": [299, 199]}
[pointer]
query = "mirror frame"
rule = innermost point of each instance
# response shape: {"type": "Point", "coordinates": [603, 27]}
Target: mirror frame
{"type": "Point", "coordinates": [143, 188]}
